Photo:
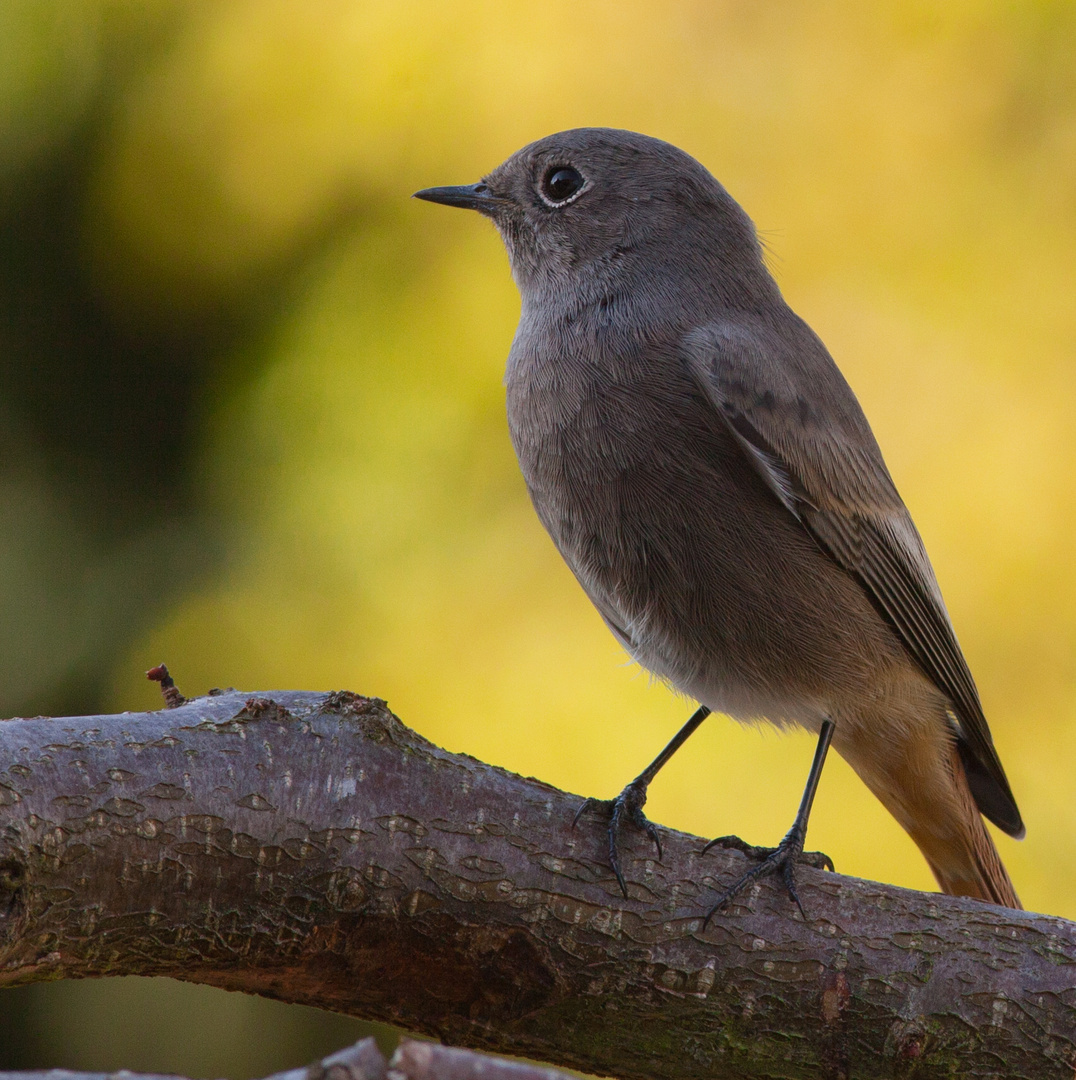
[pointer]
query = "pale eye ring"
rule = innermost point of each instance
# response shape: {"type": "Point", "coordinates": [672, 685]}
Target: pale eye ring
{"type": "Point", "coordinates": [560, 184]}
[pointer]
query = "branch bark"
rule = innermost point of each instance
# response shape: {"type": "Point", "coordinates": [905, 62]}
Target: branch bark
{"type": "Point", "coordinates": [311, 848]}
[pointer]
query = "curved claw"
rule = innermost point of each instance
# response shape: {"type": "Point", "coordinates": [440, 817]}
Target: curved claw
{"type": "Point", "coordinates": [783, 857]}
{"type": "Point", "coordinates": [653, 834]}
{"type": "Point", "coordinates": [614, 853]}
{"type": "Point", "coordinates": [819, 860]}
{"type": "Point", "coordinates": [737, 844]}
{"type": "Point", "coordinates": [590, 804]}
{"type": "Point", "coordinates": [629, 803]}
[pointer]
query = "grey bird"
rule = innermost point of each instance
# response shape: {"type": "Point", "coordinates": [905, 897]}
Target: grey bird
{"type": "Point", "coordinates": [708, 475]}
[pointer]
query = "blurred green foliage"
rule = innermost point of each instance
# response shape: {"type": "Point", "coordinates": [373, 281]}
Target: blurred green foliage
{"type": "Point", "coordinates": [250, 407]}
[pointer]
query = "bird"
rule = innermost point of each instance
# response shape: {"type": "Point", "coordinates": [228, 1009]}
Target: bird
{"type": "Point", "coordinates": [709, 477]}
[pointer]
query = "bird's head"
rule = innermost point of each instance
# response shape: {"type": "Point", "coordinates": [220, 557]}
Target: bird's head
{"type": "Point", "coordinates": [599, 205]}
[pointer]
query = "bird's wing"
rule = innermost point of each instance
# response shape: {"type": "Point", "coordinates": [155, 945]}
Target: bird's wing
{"type": "Point", "coordinates": [800, 425]}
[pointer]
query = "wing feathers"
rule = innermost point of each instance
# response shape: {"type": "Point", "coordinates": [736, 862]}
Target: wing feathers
{"type": "Point", "coordinates": [799, 424]}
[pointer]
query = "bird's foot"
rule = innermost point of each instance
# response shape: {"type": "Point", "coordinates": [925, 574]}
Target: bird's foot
{"type": "Point", "coordinates": [817, 860]}
{"type": "Point", "coordinates": [783, 858]}
{"type": "Point", "coordinates": [626, 807]}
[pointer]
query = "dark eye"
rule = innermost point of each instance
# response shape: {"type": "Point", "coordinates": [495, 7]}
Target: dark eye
{"type": "Point", "coordinates": [560, 183]}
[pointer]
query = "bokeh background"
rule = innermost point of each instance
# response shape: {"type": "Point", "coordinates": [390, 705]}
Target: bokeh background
{"type": "Point", "coordinates": [251, 416]}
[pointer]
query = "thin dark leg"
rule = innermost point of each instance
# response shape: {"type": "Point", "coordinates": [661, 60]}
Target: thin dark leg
{"type": "Point", "coordinates": [630, 802]}
{"type": "Point", "coordinates": [785, 855]}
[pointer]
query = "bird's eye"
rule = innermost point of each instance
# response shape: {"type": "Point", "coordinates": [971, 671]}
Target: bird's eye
{"type": "Point", "coordinates": [559, 184]}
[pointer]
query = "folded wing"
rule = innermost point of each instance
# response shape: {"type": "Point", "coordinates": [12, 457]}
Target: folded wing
{"type": "Point", "coordinates": [800, 425]}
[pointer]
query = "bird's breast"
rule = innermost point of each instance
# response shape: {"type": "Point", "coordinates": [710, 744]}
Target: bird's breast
{"type": "Point", "coordinates": [581, 419]}
{"type": "Point", "coordinates": [617, 451]}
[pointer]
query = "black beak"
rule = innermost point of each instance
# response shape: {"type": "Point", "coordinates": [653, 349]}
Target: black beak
{"type": "Point", "coordinates": [470, 196]}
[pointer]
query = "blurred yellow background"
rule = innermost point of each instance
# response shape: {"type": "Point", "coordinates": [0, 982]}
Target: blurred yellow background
{"type": "Point", "coordinates": [316, 363]}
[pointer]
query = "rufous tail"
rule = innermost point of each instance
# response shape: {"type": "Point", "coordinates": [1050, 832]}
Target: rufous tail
{"type": "Point", "coordinates": [968, 865]}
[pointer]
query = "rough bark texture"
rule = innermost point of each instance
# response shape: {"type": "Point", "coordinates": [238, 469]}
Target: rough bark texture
{"type": "Point", "coordinates": [311, 848]}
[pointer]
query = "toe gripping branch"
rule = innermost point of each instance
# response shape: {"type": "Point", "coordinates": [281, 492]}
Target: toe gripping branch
{"type": "Point", "coordinates": [628, 805]}
{"type": "Point", "coordinates": [789, 852]}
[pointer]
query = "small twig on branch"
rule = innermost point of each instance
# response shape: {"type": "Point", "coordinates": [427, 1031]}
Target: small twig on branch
{"type": "Point", "coordinates": [172, 697]}
{"type": "Point", "coordinates": [311, 848]}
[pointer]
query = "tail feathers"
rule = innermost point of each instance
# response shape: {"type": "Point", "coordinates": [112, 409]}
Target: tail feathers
{"type": "Point", "coordinates": [973, 867]}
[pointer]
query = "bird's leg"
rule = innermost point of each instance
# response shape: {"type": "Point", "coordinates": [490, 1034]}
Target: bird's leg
{"type": "Point", "coordinates": [790, 850]}
{"type": "Point", "coordinates": [630, 802]}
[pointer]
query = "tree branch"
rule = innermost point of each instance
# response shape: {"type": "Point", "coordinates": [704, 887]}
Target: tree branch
{"type": "Point", "coordinates": [310, 848]}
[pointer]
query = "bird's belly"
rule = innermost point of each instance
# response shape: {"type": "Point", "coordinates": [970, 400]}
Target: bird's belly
{"type": "Point", "coordinates": [713, 586]}
{"type": "Point", "coordinates": [700, 655]}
